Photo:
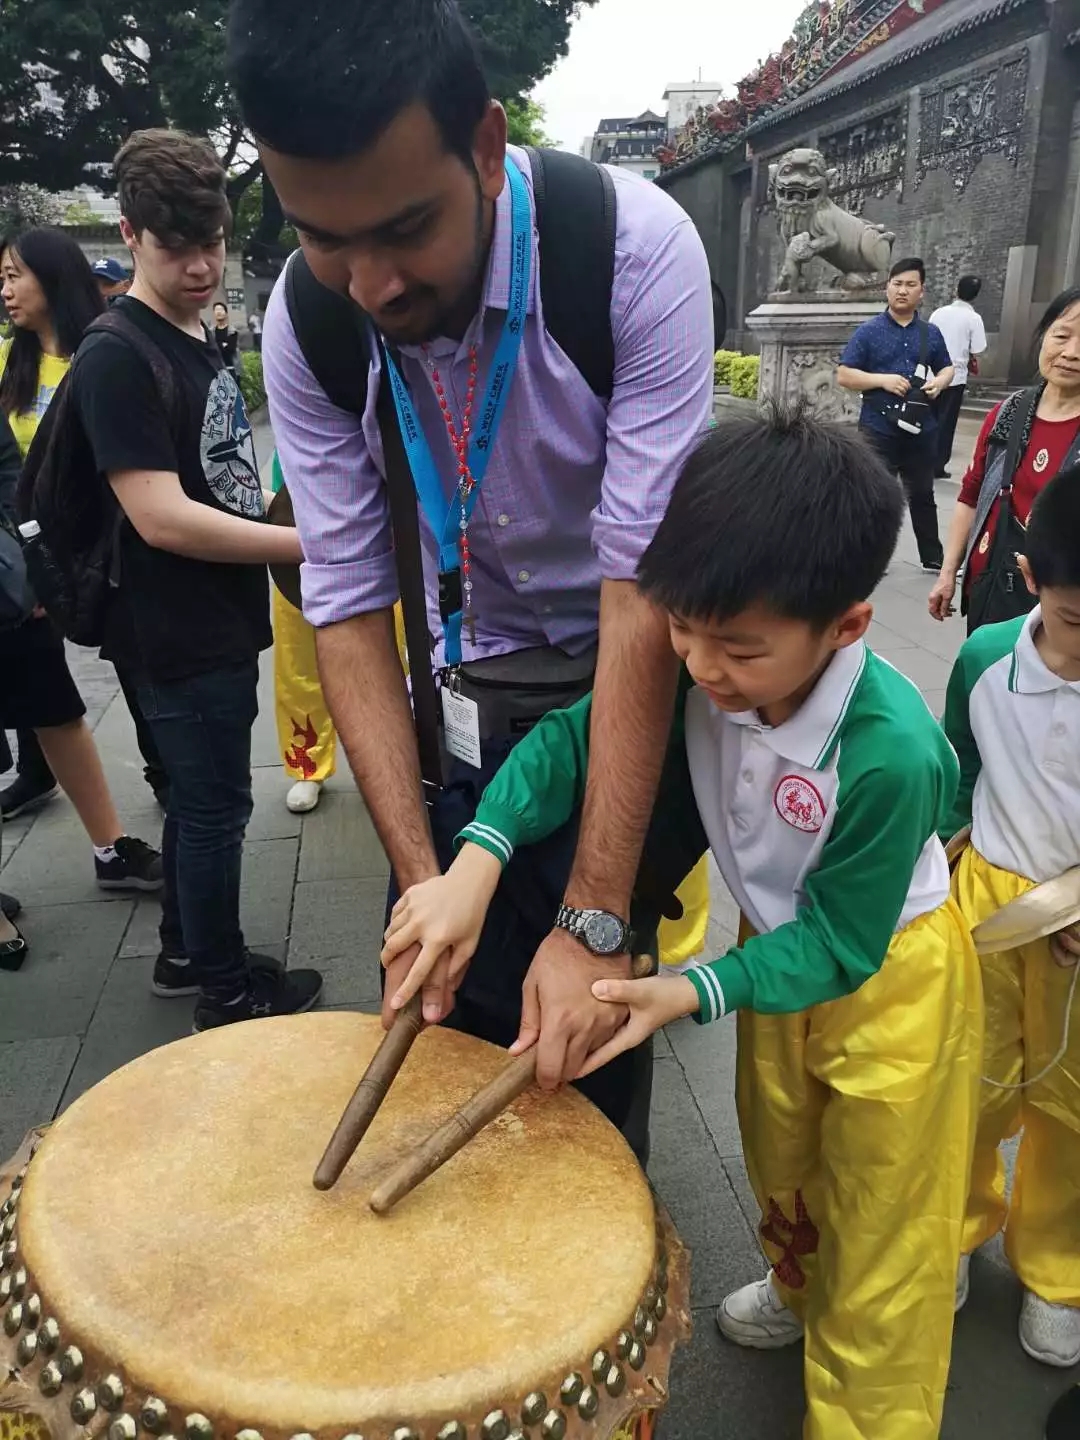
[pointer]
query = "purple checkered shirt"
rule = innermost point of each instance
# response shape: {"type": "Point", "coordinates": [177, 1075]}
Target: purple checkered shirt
{"type": "Point", "coordinates": [574, 488]}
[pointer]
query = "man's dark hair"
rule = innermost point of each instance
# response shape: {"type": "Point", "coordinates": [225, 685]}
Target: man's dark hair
{"type": "Point", "coordinates": [912, 262]}
{"type": "Point", "coordinates": [325, 84]}
{"type": "Point", "coordinates": [780, 510]}
{"type": "Point", "coordinates": [967, 287]}
{"type": "Point", "coordinates": [173, 185]}
{"type": "Point", "coordinates": [74, 299]}
{"type": "Point", "coordinates": [1052, 544]}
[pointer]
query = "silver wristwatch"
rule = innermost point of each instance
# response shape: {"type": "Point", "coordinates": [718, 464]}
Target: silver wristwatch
{"type": "Point", "coordinates": [598, 930]}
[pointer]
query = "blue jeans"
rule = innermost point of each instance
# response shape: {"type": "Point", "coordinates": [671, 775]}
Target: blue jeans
{"type": "Point", "coordinates": [202, 727]}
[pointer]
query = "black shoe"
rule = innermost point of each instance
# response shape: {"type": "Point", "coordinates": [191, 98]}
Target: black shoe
{"type": "Point", "coordinates": [175, 977]}
{"type": "Point", "coordinates": [1063, 1422]}
{"type": "Point", "coordinates": [9, 906]}
{"type": "Point", "coordinates": [24, 795]}
{"type": "Point", "coordinates": [942, 475]}
{"type": "Point", "coordinates": [13, 952]}
{"type": "Point", "coordinates": [932, 567]}
{"type": "Point", "coordinates": [135, 866]}
{"type": "Point", "coordinates": [266, 994]}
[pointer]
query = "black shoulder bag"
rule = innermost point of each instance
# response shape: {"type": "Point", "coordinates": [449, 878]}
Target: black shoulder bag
{"type": "Point", "coordinates": [1000, 591]}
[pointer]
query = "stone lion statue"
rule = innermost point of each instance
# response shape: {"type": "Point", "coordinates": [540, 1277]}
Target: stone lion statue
{"type": "Point", "coordinates": [812, 225]}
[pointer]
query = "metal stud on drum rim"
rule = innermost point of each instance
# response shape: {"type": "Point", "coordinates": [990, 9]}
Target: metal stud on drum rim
{"type": "Point", "coordinates": [71, 1363]}
{"type": "Point", "coordinates": [453, 1430]}
{"type": "Point", "coordinates": [496, 1426]}
{"type": "Point", "coordinates": [83, 1406]}
{"type": "Point", "coordinates": [554, 1426]}
{"type": "Point", "coordinates": [534, 1408]}
{"type": "Point", "coordinates": [50, 1381]}
{"type": "Point", "coordinates": [27, 1348]}
{"type": "Point", "coordinates": [123, 1428]}
{"type": "Point", "coordinates": [198, 1427]}
{"type": "Point", "coordinates": [110, 1393]}
{"type": "Point", "coordinates": [589, 1403]}
{"type": "Point", "coordinates": [154, 1416]}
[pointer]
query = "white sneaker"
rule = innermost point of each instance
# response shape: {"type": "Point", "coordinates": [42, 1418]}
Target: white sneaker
{"type": "Point", "coordinates": [303, 797]}
{"type": "Point", "coordinates": [756, 1316]}
{"type": "Point", "coordinates": [1050, 1333]}
{"type": "Point", "coordinates": [963, 1282]}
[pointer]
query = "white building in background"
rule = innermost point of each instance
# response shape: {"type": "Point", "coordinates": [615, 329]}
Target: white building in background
{"type": "Point", "coordinates": [684, 96]}
{"type": "Point", "coordinates": [629, 143]}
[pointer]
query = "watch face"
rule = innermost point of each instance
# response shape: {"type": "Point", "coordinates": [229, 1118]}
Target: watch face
{"type": "Point", "coordinates": [604, 934]}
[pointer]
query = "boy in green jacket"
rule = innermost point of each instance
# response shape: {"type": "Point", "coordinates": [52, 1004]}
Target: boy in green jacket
{"type": "Point", "coordinates": [819, 778]}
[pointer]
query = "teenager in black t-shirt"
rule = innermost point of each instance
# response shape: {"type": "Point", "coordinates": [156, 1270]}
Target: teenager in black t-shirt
{"type": "Point", "coordinates": [191, 613]}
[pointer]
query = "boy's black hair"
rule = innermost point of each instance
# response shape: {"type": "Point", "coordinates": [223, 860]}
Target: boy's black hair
{"type": "Point", "coordinates": [324, 82]}
{"type": "Point", "coordinates": [912, 262]}
{"type": "Point", "coordinates": [967, 287]}
{"type": "Point", "coordinates": [1052, 544]}
{"type": "Point", "coordinates": [775, 509]}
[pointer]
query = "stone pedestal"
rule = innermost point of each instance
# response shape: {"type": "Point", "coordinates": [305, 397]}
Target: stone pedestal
{"type": "Point", "coordinates": [801, 339]}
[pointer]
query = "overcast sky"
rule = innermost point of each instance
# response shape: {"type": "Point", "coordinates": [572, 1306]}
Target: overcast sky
{"type": "Point", "coordinates": [624, 52]}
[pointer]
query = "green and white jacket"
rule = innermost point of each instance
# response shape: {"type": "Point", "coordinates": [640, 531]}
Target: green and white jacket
{"type": "Point", "coordinates": [825, 828]}
{"type": "Point", "coordinates": [1016, 727]}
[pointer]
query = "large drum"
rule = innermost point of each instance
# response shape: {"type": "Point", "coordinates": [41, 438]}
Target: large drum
{"type": "Point", "coordinates": [168, 1270]}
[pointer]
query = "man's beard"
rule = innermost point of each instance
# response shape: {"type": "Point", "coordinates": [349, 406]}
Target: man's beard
{"type": "Point", "coordinates": [451, 318]}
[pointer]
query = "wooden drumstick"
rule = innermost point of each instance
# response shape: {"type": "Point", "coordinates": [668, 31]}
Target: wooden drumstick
{"type": "Point", "coordinates": [370, 1093]}
{"type": "Point", "coordinates": [488, 1103]}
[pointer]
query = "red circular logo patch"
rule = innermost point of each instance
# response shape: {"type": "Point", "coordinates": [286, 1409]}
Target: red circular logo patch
{"type": "Point", "coordinates": [799, 804]}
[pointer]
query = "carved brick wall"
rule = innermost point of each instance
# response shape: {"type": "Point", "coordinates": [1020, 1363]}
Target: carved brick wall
{"type": "Point", "coordinates": [870, 158]}
{"type": "Point", "coordinates": [965, 120]}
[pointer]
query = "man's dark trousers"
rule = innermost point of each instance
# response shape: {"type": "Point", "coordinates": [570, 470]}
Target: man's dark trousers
{"type": "Point", "coordinates": [914, 459]}
{"type": "Point", "coordinates": [948, 413]}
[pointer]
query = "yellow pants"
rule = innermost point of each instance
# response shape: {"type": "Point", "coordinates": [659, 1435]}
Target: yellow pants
{"type": "Point", "coordinates": [681, 940]}
{"type": "Point", "coordinates": [306, 733]}
{"type": "Point", "coordinates": [1026, 994]}
{"type": "Point", "coordinates": [858, 1119]}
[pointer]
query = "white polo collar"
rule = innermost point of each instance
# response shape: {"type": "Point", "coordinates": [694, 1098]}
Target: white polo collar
{"type": "Point", "coordinates": [1029, 674]}
{"type": "Point", "coordinates": [810, 736]}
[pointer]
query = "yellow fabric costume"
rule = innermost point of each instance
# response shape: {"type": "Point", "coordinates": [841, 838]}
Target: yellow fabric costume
{"type": "Point", "coordinates": [681, 940]}
{"type": "Point", "coordinates": [857, 1143]}
{"type": "Point", "coordinates": [1026, 995]}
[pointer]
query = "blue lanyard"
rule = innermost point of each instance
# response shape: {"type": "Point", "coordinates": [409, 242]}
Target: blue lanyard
{"type": "Point", "coordinates": [446, 524]}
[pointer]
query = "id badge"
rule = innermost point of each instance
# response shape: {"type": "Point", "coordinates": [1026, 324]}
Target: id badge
{"type": "Point", "coordinates": [461, 722]}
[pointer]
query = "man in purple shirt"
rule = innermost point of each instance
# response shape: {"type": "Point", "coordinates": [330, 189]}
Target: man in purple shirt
{"type": "Point", "coordinates": [377, 129]}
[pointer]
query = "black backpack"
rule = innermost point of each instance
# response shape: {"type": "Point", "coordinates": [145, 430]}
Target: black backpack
{"type": "Point", "coordinates": [75, 562]}
{"type": "Point", "coordinates": [576, 220]}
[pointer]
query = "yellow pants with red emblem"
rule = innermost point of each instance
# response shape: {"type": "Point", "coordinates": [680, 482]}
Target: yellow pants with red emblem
{"type": "Point", "coordinates": [306, 733]}
{"type": "Point", "coordinates": [858, 1119]}
{"type": "Point", "coordinates": [1026, 994]}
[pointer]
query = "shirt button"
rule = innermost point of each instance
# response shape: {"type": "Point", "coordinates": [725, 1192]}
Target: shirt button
{"type": "Point", "coordinates": [504, 519]}
{"type": "Point", "coordinates": [523, 576]}
{"type": "Point", "coordinates": [748, 777]}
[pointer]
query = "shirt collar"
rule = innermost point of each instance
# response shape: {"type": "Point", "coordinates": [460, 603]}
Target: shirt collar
{"type": "Point", "coordinates": [886, 314]}
{"type": "Point", "coordinates": [809, 738]}
{"type": "Point", "coordinates": [1029, 674]}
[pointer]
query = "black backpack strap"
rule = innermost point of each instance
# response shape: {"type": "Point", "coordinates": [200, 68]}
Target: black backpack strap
{"type": "Point", "coordinates": [116, 322]}
{"type": "Point", "coordinates": [576, 216]}
{"type": "Point", "coordinates": [332, 333]}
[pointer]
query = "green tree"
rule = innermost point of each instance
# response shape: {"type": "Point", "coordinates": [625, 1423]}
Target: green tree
{"type": "Point", "coordinates": [22, 206]}
{"type": "Point", "coordinates": [525, 123]}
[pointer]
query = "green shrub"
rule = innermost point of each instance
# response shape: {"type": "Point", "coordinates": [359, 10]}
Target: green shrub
{"type": "Point", "coordinates": [744, 376]}
{"type": "Point", "coordinates": [722, 363]}
{"type": "Point", "coordinates": [250, 379]}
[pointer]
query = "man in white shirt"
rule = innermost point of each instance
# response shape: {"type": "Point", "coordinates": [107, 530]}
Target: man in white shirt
{"type": "Point", "coordinates": [962, 326]}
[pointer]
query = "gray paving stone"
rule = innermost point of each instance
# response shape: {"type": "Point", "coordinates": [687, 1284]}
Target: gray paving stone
{"type": "Point", "coordinates": [266, 891]}
{"type": "Point", "coordinates": [706, 1054]}
{"type": "Point", "coordinates": [340, 843]}
{"type": "Point", "coordinates": [350, 981]}
{"type": "Point", "coordinates": [141, 936]}
{"type": "Point", "coordinates": [271, 819]}
{"type": "Point", "coordinates": [33, 1074]}
{"type": "Point", "coordinates": [690, 1179]}
{"type": "Point", "coordinates": [338, 918]}
{"type": "Point", "coordinates": [735, 1169]}
{"type": "Point", "coordinates": [57, 866]}
{"type": "Point", "coordinates": [72, 948]}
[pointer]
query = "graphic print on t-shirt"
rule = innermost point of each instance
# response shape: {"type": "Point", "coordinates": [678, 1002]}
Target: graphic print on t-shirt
{"type": "Point", "coordinates": [228, 450]}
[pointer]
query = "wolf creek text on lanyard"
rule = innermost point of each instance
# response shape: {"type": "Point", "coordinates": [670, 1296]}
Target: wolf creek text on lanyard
{"type": "Point", "coordinates": [450, 526]}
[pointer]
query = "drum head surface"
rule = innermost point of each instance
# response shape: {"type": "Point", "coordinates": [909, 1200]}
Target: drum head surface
{"type": "Point", "coordinates": [1043, 911]}
{"type": "Point", "coordinates": [171, 1226]}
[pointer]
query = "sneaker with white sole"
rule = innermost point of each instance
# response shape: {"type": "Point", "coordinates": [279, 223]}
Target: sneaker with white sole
{"type": "Point", "coordinates": [175, 977]}
{"type": "Point", "coordinates": [303, 797]}
{"type": "Point", "coordinates": [134, 866]}
{"type": "Point", "coordinates": [265, 995]}
{"type": "Point", "coordinates": [755, 1316]}
{"type": "Point", "coordinates": [963, 1282]}
{"type": "Point", "coordinates": [1050, 1333]}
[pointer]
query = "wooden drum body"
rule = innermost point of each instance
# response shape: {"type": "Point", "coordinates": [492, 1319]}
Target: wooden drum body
{"type": "Point", "coordinates": [167, 1269]}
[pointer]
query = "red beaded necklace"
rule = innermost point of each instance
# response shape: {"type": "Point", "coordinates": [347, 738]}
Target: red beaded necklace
{"type": "Point", "coordinates": [459, 443]}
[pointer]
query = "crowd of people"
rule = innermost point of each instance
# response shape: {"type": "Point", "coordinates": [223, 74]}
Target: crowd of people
{"type": "Point", "coordinates": [571, 639]}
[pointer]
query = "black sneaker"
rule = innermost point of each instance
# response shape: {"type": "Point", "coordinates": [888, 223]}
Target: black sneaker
{"type": "Point", "coordinates": [24, 795]}
{"type": "Point", "coordinates": [289, 993]}
{"type": "Point", "coordinates": [9, 906]}
{"type": "Point", "coordinates": [932, 567]}
{"type": "Point", "coordinates": [175, 977]}
{"type": "Point", "coordinates": [135, 866]}
{"type": "Point", "coordinates": [1063, 1422]}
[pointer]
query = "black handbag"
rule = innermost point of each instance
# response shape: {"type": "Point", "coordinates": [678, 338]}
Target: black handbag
{"type": "Point", "coordinates": [1000, 592]}
{"type": "Point", "coordinates": [16, 600]}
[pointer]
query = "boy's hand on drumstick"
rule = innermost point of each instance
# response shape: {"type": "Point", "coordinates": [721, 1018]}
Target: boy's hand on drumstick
{"type": "Point", "coordinates": [439, 923]}
{"type": "Point", "coordinates": [1065, 946]}
{"type": "Point", "coordinates": [653, 1003]}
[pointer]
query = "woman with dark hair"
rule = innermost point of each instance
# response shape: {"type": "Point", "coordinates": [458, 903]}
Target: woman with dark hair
{"type": "Point", "coordinates": [1024, 442]}
{"type": "Point", "coordinates": [51, 296]}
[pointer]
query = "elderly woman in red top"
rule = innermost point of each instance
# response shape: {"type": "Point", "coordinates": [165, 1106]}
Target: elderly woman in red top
{"type": "Point", "coordinates": [1024, 442]}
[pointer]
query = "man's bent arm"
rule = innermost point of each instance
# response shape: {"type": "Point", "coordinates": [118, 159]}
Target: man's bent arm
{"type": "Point", "coordinates": [848, 378]}
{"type": "Point", "coordinates": [633, 702]}
{"type": "Point", "coordinates": [365, 690]}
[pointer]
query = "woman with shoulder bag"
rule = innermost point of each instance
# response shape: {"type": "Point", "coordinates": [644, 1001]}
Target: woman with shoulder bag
{"type": "Point", "coordinates": [1024, 442]}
